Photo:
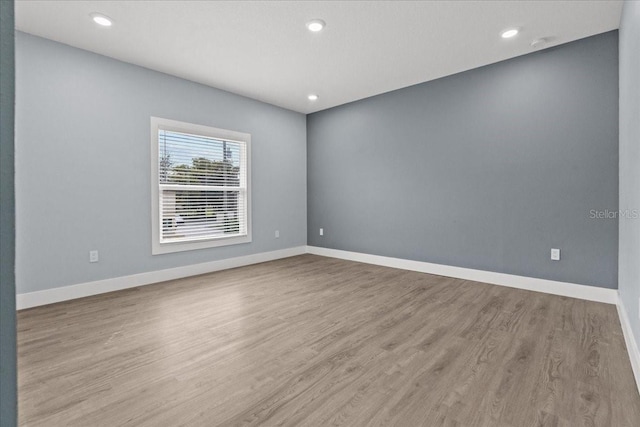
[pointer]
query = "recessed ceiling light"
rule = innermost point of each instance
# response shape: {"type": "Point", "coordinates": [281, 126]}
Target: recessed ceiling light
{"type": "Point", "coordinates": [101, 19]}
{"type": "Point", "coordinates": [316, 25]}
{"type": "Point", "coordinates": [509, 32]}
{"type": "Point", "coordinates": [313, 97]}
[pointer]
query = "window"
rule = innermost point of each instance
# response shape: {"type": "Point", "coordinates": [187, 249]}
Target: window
{"type": "Point", "coordinates": [200, 186]}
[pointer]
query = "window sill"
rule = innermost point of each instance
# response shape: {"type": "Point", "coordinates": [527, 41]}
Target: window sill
{"type": "Point", "coordinates": [167, 248]}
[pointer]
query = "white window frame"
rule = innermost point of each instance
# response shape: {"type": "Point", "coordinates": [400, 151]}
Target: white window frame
{"type": "Point", "coordinates": [158, 124]}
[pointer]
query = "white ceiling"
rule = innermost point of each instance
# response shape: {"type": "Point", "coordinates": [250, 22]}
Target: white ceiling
{"type": "Point", "coordinates": [262, 49]}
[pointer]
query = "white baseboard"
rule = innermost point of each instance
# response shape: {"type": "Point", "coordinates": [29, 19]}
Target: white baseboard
{"type": "Point", "coordinates": [591, 293]}
{"type": "Point", "coordinates": [632, 345]}
{"type": "Point", "coordinates": [49, 296]}
{"type": "Point", "coordinates": [64, 293]}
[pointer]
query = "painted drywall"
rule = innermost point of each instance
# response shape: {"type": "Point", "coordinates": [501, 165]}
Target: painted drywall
{"type": "Point", "coordinates": [629, 249]}
{"type": "Point", "coordinates": [8, 403]}
{"type": "Point", "coordinates": [487, 169]}
{"type": "Point", "coordinates": [83, 165]}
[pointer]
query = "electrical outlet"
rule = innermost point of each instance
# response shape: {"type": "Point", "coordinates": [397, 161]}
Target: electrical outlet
{"type": "Point", "coordinates": [322, 231]}
{"type": "Point", "coordinates": [555, 254]}
{"type": "Point", "coordinates": [277, 234]}
{"type": "Point", "coordinates": [93, 256]}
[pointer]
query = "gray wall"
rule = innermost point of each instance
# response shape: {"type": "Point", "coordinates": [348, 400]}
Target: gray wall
{"type": "Point", "coordinates": [487, 169]}
{"type": "Point", "coordinates": [629, 267]}
{"type": "Point", "coordinates": [83, 168]}
{"type": "Point", "coordinates": [7, 224]}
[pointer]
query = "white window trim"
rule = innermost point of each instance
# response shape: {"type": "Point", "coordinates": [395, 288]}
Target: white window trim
{"type": "Point", "coordinates": [157, 124]}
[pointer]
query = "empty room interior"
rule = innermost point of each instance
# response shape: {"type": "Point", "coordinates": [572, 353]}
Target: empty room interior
{"type": "Point", "coordinates": [320, 213]}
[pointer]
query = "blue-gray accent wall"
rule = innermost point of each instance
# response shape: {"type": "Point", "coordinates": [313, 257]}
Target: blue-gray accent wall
{"type": "Point", "coordinates": [83, 165]}
{"type": "Point", "coordinates": [487, 169]}
{"type": "Point", "coordinates": [629, 279]}
{"type": "Point", "coordinates": [8, 403]}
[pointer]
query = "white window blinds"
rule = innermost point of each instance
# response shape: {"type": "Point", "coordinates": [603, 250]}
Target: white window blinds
{"type": "Point", "coordinates": [202, 187]}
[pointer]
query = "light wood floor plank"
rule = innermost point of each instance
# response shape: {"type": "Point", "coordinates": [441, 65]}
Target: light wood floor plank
{"type": "Point", "coordinates": [314, 341]}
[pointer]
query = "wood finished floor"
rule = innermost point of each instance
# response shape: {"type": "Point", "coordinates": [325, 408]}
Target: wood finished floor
{"type": "Point", "coordinates": [313, 341]}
